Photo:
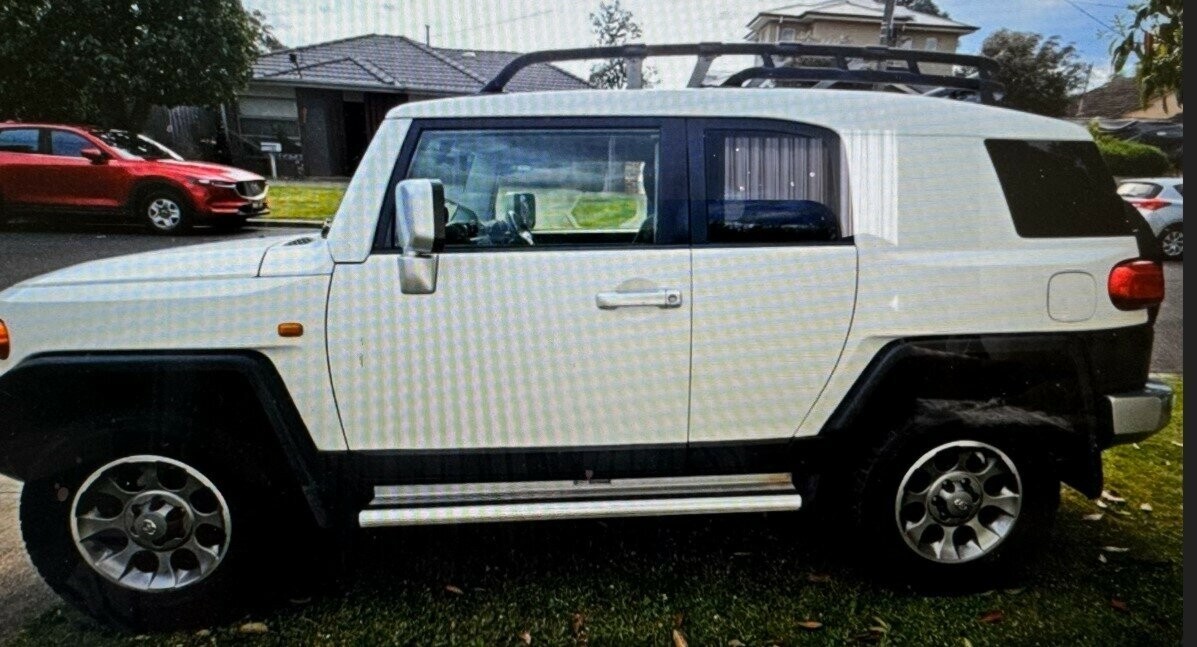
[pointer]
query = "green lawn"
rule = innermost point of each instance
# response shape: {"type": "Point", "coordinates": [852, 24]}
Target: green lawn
{"type": "Point", "coordinates": [604, 211]}
{"type": "Point", "coordinates": [731, 580]}
{"type": "Point", "coordinates": [305, 200]}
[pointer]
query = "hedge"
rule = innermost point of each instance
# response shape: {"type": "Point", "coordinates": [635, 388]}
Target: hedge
{"type": "Point", "coordinates": [1130, 158]}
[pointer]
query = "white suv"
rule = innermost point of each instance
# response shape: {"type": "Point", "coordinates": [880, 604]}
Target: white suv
{"type": "Point", "coordinates": [917, 314]}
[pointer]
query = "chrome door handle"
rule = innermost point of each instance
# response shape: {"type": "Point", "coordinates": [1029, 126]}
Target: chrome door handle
{"type": "Point", "coordinates": [662, 298]}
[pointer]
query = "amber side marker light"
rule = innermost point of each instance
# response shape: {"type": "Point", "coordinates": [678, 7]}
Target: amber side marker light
{"type": "Point", "coordinates": [4, 342]}
{"type": "Point", "coordinates": [290, 329]}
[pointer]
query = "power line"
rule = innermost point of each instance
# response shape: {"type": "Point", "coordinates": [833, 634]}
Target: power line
{"type": "Point", "coordinates": [494, 24]}
{"type": "Point", "coordinates": [1095, 19]}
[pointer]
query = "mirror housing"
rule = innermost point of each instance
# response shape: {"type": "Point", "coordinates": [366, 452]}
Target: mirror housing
{"type": "Point", "coordinates": [419, 232]}
{"type": "Point", "coordinates": [94, 155]}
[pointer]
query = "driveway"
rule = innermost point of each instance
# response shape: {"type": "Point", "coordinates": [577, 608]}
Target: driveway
{"type": "Point", "coordinates": [27, 250]}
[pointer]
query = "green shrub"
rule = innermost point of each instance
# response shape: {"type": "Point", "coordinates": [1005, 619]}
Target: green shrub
{"type": "Point", "coordinates": [1130, 158]}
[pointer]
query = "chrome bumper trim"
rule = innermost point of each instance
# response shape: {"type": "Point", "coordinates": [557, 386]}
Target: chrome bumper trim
{"type": "Point", "coordinates": [1139, 414]}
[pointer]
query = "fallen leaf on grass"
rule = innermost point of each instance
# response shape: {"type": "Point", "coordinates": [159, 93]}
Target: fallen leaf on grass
{"type": "Point", "coordinates": [1146, 507]}
{"type": "Point", "coordinates": [1101, 504]}
{"type": "Point", "coordinates": [1112, 496]}
{"type": "Point", "coordinates": [1115, 549]}
{"type": "Point", "coordinates": [990, 617]}
{"type": "Point", "coordinates": [810, 625]}
{"type": "Point", "coordinates": [526, 638]}
{"type": "Point", "coordinates": [577, 623]}
{"type": "Point", "coordinates": [1102, 558]}
{"type": "Point", "coordinates": [1119, 605]}
{"type": "Point", "coordinates": [818, 578]}
{"type": "Point", "coordinates": [679, 640]}
{"type": "Point", "coordinates": [203, 633]}
{"type": "Point", "coordinates": [735, 643]}
{"type": "Point", "coordinates": [449, 588]}
{"type": "Point", "coordinates": [1096, 516]}
{"type": "Point", "coordinates": [678, 619]}
{"type": "Point", "coordinates": [1178, 444]}
{"type": "Point", "coordinates": [253, 628]}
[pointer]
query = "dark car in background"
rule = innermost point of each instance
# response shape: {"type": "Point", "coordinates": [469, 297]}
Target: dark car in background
{"type": "Point", "coordinates": [48, 168]}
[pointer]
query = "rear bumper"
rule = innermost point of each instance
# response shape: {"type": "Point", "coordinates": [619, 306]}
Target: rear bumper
{"type": "Point", "coordinates": [1139, 414]}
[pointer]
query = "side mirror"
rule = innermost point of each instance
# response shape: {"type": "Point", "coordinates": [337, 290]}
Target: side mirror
{"type": "Point", "coordinates": [419, 232]}
{"type": "Point", "coordinates": [94, 155]}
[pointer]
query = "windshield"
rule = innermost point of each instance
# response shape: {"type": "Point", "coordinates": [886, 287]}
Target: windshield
{"type": "Point", "coordinates": [135, 146]}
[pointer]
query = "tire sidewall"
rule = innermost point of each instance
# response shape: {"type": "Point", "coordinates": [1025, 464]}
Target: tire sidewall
{"type": "Point", "coordinates": [876, 520]}
{"type": "Point", "coordinates": [236, 583]}
{"type": "Point", "coordinates": [185, 215]}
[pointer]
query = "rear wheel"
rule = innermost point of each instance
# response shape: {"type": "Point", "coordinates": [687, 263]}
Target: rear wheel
{"type": "Point", "coordinates": [168, 538]}
{"type": "Point", "coordinates": [164, 211]}
{"type": "Point", "coordinates": [1172, 242]}
{"type": "Point", "coordinates": [952, 508]}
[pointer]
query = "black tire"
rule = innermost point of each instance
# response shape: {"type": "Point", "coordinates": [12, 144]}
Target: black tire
{"type": "Point", "coordinates": [1172, 242]}
{"type": "Point", "coordinates": [881, 539]}
{"type": "Point", "coordinates": [228, 225]}
{"type": "Point", "coordinates": [164, 211]}
{"type": "Point", "coordinates": [250, 573]}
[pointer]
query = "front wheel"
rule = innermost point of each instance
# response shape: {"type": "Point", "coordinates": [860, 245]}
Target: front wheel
{"type": "Point", "coordinates": [164, 211]}
{"type": "Point", "coordinates": [1172, 242]}
{"type": "Point", "coordinates": [954, 510]}
{"type": "Point", "coordinates": [149, 541]}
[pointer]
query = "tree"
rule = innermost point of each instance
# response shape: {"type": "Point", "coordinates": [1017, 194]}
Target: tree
{"type": "Point", "coordinates": [614, 25]}
{"type": "Point", "coordinates": [921, 6]}
{"type": "Point", "coordinates": [107, 62]}
{"type": "Point", "coordinates": [1156, 36]}
{"type": "Point", "coordinates": [1039, 74]}
{"type": "Point", "coordinates": [267, 41]}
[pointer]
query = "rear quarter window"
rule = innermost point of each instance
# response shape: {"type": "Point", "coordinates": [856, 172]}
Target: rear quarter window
{"type": "Point", "coordinates": [1058, 189]}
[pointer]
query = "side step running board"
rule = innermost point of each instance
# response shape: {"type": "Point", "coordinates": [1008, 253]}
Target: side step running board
{"type": "Point", "coordinates": [549, 500]}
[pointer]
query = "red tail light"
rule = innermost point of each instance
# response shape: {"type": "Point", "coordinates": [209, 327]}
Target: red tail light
{"type": "Point", "coordinates": [1150, 204]}
{"type": "Point", "coordinates": [4, 342]}
{"type": "Point", "coordinates": [1136, 284]}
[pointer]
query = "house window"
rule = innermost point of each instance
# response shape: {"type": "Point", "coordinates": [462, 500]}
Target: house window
{"type": "Point", "coordinates": [931, 44]}
{"type": "Point", "coordinates": [788, 35]}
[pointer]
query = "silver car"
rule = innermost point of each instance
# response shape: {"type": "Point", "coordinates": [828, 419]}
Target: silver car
{"type": "Point", "coordinates": [1161, 201]}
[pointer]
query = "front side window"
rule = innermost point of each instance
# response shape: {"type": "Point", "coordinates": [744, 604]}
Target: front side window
{"type": "Point", "coordinates": [551, 187]}
{"type": "Point", "coordinates": [67, 144]}
{"type": "Point", "coordinates": [18, 140]}
{"type": "Point", "coordinates": [136, 146]}
{"type": "Point", "coordinates": [765, 187]}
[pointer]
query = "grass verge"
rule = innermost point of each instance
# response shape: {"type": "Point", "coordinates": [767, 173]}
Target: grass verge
{"type": "Point", "coordinates": [304, 201]}
{"type": "Point", "coordinates": [750, 580]}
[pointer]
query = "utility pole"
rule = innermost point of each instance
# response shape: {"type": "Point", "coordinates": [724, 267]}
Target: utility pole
{"type": "Point", "coordinates": [427, 35]}
{"type": "Point", "coordinates": [1080, 103]}
{"type": "Point", "coordinates": [887, 24]}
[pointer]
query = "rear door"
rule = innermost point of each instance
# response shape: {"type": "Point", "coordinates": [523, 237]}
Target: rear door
{"type": "Point", "coordinates": [774, 275]}
{"type": "Point", "coordinates": [21, 160]}
{"type": "Point", "coordinates": [567, 330]}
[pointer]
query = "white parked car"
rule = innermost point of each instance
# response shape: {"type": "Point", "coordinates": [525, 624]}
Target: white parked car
{"type": "Point", "coordinates": [1161, 201]}
{"type": "Point", "coordinates": [914, 315]}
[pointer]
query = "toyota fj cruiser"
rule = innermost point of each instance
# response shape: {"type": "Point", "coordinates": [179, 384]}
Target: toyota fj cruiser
{"type": "Point", "coordinates": [919, 314]}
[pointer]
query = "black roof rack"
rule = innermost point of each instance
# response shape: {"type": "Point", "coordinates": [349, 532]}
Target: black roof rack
{"type": "Point", "coordinates": [906, 77]}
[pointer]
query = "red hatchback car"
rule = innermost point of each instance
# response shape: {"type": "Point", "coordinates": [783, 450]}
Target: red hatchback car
{"type": "Point", "coordinates": [47, 168]}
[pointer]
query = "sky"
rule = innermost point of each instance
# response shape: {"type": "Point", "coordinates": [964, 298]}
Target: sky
{"type": "Point", "coordinates": [526, 25]}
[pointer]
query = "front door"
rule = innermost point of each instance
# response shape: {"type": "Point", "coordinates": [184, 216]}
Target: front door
{"type": "Point", "coordinates": [563, 326]}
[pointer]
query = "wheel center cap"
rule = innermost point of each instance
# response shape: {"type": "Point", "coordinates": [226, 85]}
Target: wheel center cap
{"type": "Point", "coordinates": [954, 498]}
{"type": "Point", "coordinates": [159, 520]}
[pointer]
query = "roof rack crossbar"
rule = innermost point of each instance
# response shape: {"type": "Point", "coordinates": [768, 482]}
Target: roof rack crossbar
{"type": "Point", "coordinates": [860, 76]}
{"type": "Point", "coordinates": [982, 81]}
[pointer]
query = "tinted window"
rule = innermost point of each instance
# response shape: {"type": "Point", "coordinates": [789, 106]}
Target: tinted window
{"type": "Point", "coordinates": [1180, 188]}
{"type": "Point", "coordinates": [1058, 189]}
{"type": "Point", "coordinates": [18, 140]}
{"type": "Point", "coordinates": [765, 187]}
{"type": "Point", "coordinates": [1139, 190]}
{"type": "Point", "coordinates": [67, 144]}
{"type": "Point", "coordinates": [534, 188]}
